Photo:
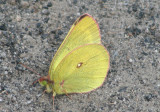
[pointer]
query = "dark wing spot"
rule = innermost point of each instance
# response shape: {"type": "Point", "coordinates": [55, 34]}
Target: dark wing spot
{"type": "Point", "coordinates": [80, 19]}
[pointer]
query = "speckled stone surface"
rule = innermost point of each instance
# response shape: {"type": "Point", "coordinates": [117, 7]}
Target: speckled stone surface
{"type": "Point", "coordinates": [32, 30]}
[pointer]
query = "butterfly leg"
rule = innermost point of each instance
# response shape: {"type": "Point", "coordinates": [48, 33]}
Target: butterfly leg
{"type": "Point", "coordinates": [67, 94]}
{"type": "Point", "coordinates": [54, 94]}
{"type": "Point", "coordinates": [61, 84]}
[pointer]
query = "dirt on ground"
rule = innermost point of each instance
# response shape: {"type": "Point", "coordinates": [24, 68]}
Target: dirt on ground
{"type": "Point", "coordinates": [31, 31]}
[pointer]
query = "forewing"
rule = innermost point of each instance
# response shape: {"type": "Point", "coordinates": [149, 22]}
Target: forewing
{"type": "Point", "coordinates": [82, 70]}
{"type": "Point", "coordinates": [85, 30]}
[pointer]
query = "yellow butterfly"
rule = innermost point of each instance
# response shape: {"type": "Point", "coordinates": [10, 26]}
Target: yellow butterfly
{"type": "Point", "coordinates": [81, 62]}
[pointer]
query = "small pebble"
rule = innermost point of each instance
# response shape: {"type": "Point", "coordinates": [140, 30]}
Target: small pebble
{"type": "Point", "coordinates": [38, 95]}
{"type": "Point", "coordinates": [44, 36]}
{"type": "Point", "coordinates": [147, 30]}
{"type": "Point", "coordinates": [6, 72]}
{"type": "Point", "coordinates": [38, 25]}
{"type": "Point", "coordinates": [158, 84]}
{"type": "Point", "coordinates": [156, 51]}
{"type": "Point", "coordinates": [1, 99]}
{"type": "Point", "coordinates": [3, 27]}
{"type": "Point", "coordinates": [28, 102]}
{"type": "Point", "coordinates": [122, 89]}
{"type": "Point", "coordinates": [74, 1]}
{"type": "Point", "coordinates": [26, 29]}
{"type": "Point", "coordinates": [46, 20]}
{"type": "Point", "coordinates": [148, 97]}
{"type": "Point", "coordinates": [5, 67]}
{"type": "Point", "coordinates": [44, 7]}
{"type": "Point", "coordinates": [9, 96]}
{"type": "Point", "coordinates": [157, 36]}
{"type": "Point", "coordinates": [1, 70]}
{"type": "Point", "coordinates": [24, 4]}
{"type": "Point", "coordinates": [14, 98]}
{"type": "Point", "coordinates": [3, 54]}
{"type": "Point", "coordinates": [12, 2]}
{"type": "Point", "coordinates": [49, 4]}
{"type": "Point", "coordinates": [45, 12]}
{"type": "Point", "coordinates": [78, 14]}
{"type": "Point", "coordinates": [18, 18]}
{"type": "Point", "coordinates": [130, 60]}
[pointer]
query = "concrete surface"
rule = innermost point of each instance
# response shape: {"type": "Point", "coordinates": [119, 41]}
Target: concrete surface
{"type": "Point", "coordinates": [32, 30]}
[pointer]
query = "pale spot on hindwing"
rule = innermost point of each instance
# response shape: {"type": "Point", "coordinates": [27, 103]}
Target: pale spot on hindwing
{"type": "Point", "coordinates": [79, 65]}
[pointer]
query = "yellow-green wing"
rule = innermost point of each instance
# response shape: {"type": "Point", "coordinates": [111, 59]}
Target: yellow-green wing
{"type": "Point", "coordinates": [85, 30]}
{"type": "Point", "coordinates": [82, 70]}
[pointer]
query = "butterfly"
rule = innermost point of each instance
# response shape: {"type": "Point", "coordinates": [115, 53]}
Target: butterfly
{"type": "Point", "coordinates": [81, 63]}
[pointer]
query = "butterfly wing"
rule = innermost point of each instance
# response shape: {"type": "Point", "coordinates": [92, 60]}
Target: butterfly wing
{"type": "Point", "coordinates": [82, 70]}
{"type": "Point", "coordinates": [85, 30]}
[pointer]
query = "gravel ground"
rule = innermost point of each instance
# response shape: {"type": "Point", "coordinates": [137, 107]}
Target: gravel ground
{"type": "Point", "coordinates": [32, 30]}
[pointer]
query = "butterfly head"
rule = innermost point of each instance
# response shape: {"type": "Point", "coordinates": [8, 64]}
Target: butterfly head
{"type": "Point", "coordinates": [46, 82]}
